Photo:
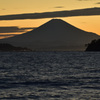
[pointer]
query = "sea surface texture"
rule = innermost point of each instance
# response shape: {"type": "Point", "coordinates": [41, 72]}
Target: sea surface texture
{"type": "Point", "coordinates": [49, 75]}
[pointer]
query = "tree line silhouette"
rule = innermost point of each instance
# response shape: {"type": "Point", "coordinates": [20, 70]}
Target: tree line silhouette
{"type": "Point", "coordinates": [94, 45]}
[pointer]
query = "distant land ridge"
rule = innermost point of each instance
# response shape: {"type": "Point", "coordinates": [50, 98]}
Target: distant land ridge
{"type": "Point", "coordinates": [8, 47]}
{"type": "Point", "coordinates": [55, 35]}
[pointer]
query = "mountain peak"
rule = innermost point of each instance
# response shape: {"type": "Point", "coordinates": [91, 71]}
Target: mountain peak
{"type": "Point", "coordinates": [56, 21]}
{"type": "Point", "coordinates": [56, 25]}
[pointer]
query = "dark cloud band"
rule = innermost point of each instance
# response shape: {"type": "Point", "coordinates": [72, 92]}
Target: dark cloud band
{"type": "Point", "coordinates": [13, 29]}
{"type": "Point", "coordinates": [98, 3]}
{"type": "Point", "coordinates": [79, 12]}
{"type": "Point", "coordinates": [7, 35]}
{"type": "Point", "coordinates": [59, 7]}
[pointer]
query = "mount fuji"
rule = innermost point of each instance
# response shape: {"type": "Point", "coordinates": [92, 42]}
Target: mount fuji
{"type": "Point", "coordinates": [55, 35]}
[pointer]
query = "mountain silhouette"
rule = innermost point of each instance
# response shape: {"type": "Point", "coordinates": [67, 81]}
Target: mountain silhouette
{"type": "Point", "coordinates": [55, 35]}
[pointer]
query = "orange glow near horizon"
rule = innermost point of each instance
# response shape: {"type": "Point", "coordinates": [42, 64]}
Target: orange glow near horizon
{"type": "Point", "coordinates": [87, 23]}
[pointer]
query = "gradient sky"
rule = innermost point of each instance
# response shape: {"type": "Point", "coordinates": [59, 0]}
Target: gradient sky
{"type": "Point", "coordinates": [10, 7]}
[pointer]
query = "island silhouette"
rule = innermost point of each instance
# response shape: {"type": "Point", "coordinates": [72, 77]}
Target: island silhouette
{"type": "Point", "coordinates": [54, 35]}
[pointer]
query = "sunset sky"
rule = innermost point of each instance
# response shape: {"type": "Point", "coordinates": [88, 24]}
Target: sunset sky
{"type": "Point", "coordinates": [43, 11]}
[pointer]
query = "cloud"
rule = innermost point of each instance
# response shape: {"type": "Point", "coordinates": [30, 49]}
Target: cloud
{"type": "Point", "coordinates": [85, 0]}
{"type": "Point", "coordinates": [66, 13]}
{"type": "Point", "coordinates": [8, 35]}
{"type": "Point", "coordinates": [82, 0]}
{"type": "Point", "coordinates": [26, 28]}
{"type": "Point", "coordinates": [98, 3]}
{"type": "Point", "coordinates": [59, 7]}
{"type": "Point", "coordinates": [3, 9]}
{"type": "Point", "coordinates": [6, 32]}
{"type": "Point", "coordinates": [13, 29]}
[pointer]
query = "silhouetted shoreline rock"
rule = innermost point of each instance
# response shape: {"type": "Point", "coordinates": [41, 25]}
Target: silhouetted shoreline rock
{"type": "Point", "coordinates": [9, 47]}
{"type": "Point", "coordinates": [93, 46]}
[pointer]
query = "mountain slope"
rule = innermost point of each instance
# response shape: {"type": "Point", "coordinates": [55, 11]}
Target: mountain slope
{"type": "Point", "coordinates": [53, 35]}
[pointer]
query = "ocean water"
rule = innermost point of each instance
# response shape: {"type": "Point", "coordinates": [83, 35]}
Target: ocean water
{"type": "Point", "coordinates": [49, 75]}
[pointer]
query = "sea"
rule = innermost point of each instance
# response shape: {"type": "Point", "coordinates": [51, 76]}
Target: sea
{"type": "Point", "coordinates": [50, 75]}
